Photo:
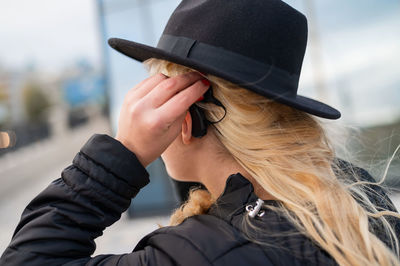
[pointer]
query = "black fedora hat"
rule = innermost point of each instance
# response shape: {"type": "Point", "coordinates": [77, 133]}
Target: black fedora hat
{"type": "Point", "coordinates": [258, 45]}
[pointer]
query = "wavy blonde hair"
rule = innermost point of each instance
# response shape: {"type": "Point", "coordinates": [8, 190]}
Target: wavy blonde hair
{"type": "Point", "coordinates": [289, 154]}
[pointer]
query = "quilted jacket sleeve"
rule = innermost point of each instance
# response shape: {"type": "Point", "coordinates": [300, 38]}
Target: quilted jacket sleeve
{"type": "Point", "coordinates": [58, 227]}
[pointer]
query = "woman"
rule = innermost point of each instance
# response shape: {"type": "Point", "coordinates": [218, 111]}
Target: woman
{"type": "Point", "coordinates": [275, 192]}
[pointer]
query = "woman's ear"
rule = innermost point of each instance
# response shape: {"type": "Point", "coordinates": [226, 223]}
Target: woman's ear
{"type": "Point", "coordinates": [187, 129]}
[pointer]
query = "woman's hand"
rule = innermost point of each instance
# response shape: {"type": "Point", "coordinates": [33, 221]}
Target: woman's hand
{"type": "Point", "coordinates": [153, 111]}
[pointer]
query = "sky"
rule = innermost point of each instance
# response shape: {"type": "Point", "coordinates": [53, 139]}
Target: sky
{"type": "Point", "coordinates": [48, 34]}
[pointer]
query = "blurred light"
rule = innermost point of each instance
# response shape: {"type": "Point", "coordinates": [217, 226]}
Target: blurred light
{"type": "Point", "coordinates": [7, 139]}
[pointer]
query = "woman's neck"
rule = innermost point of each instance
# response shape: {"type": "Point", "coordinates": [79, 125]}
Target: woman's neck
{"type": "Point", "coordinates": [216, 173]}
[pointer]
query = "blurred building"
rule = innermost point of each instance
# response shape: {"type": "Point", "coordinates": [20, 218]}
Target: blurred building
{"type": "Point", "coordinates": [83, 91]}
{"type": "Point", "coordinates": [352, 62]}
{"type": "Point", "coordinates": [25, 97]}
{"type": "Point", "coordinates": [4, 96]}
{"type": "Point", "coordinates": [35, 105]}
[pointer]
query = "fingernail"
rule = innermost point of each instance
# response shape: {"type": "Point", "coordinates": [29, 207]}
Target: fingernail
{"type": "Point", "coordinates": [205, 82]}
{"type": "Point", "coordinates": [200, 99]}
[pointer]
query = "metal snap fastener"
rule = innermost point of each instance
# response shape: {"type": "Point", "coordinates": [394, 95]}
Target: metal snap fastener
{"type": "Point", "coordinates": [253, 211]}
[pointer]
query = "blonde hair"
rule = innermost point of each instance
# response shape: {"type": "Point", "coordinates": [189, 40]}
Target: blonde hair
{"type": "Point", "coordinates": [289, 154]}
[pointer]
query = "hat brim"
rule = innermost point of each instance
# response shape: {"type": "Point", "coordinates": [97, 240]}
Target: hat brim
{"type": "Point", "coordinates": [142, 52]}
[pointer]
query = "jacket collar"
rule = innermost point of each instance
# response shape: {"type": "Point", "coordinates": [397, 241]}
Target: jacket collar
{"type": "Point", "coordinates": [238, 193]}
{"type": "Point", "coordinates": [287, 241]}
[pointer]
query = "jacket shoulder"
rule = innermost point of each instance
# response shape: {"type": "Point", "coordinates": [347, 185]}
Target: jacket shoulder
{"type": "Point", "coordinates": [377, 194]}
{"type": "Point", "coordinates": [205, 240]}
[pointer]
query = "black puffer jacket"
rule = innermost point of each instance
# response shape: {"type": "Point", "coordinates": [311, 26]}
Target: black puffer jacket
{"type": "Point", "coordinates": [59, 226]}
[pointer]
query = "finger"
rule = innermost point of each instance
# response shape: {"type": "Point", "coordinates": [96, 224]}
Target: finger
{"type": "Point", "coordinates": [173, 130]}
{"type": "Point", "coordinates": [143, 88]}
{"type": "Point", "coordinates": [169, 87]}
{"type": "Point", "coordinates": [181, 102]}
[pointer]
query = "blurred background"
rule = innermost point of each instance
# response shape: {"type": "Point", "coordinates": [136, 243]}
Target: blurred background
{"type": "Point", "coordinates": [60, 83]}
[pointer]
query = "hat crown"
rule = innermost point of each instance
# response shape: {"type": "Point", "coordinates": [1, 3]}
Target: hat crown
{"type": "Point", "coordinates": [269, 31]}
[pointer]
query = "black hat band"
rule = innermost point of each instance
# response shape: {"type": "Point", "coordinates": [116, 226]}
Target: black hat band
{"type": "Point", "coordinates": [277, 81]}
